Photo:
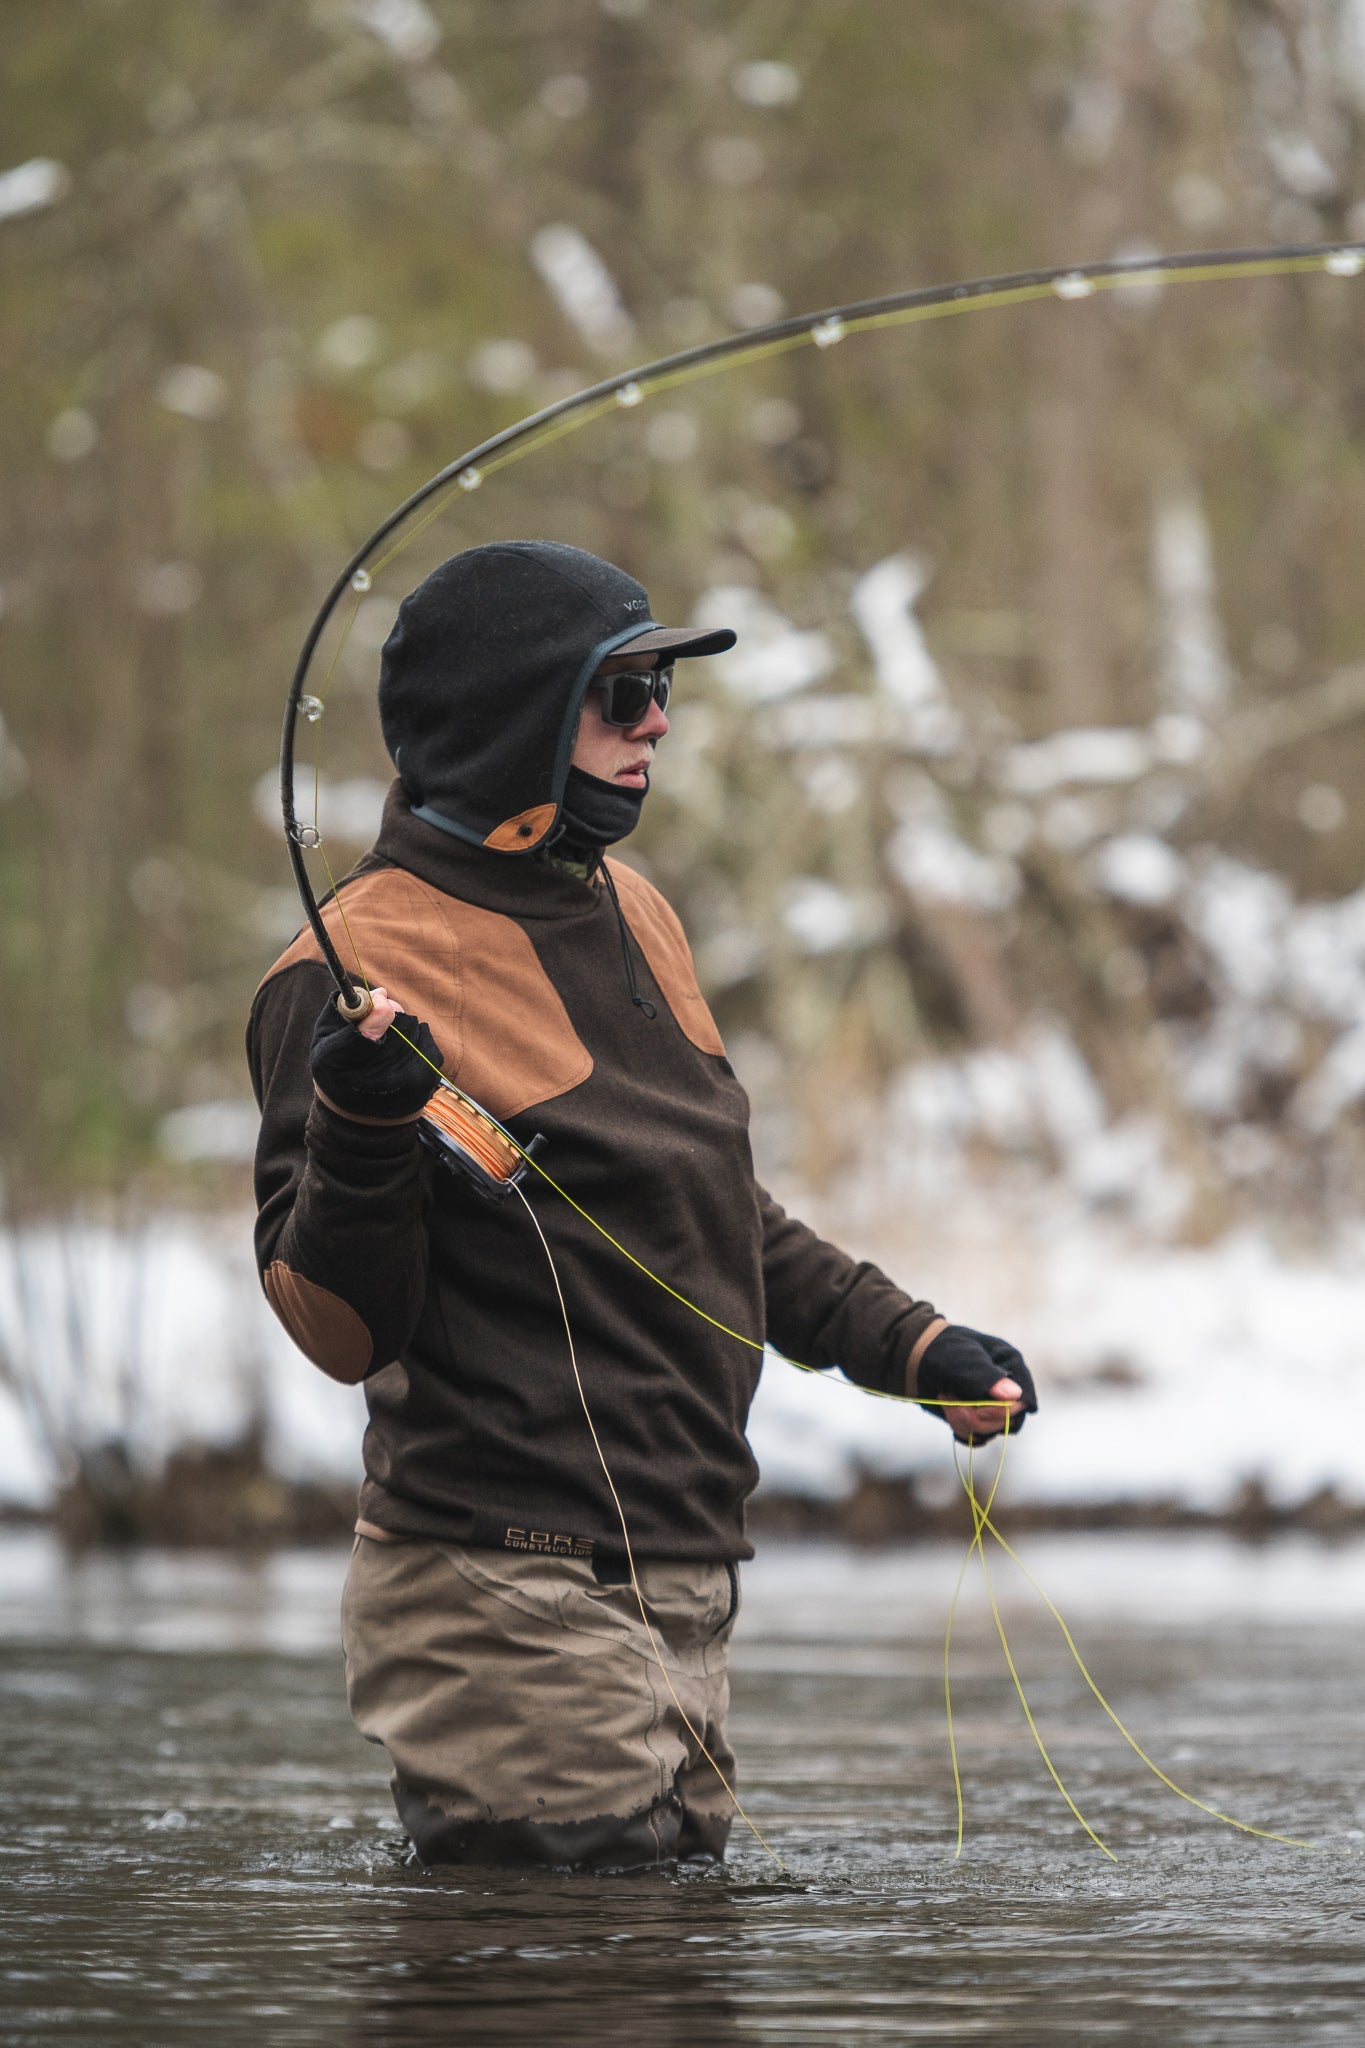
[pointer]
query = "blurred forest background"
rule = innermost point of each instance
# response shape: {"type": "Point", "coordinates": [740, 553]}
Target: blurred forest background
{"type": "Point", "coordinates": [1021, 829]}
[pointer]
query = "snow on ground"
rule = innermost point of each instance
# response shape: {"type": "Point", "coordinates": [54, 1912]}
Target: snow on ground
{"type": "Point", "coordinates": [156, 1337]}
{"type": "Point", "coordinates": [1165, 1373]}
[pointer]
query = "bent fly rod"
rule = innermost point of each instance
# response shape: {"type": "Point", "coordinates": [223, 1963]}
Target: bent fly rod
{"type": "Point", "coordinates": [628, 388]}
{"type": "Point", "coordinates": [471, 1141]}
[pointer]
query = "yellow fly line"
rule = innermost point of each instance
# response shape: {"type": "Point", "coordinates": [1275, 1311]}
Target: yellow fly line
{"type": "Point", "coordinates": [982, 1525]}
{"type": "Point", "coordinates": [696, 1733]}
{"type": "Point", "coordinates": [541, 431]}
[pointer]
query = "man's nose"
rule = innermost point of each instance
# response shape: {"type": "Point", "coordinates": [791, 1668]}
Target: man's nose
{"type": "Point", "coordinates": [652, 726]}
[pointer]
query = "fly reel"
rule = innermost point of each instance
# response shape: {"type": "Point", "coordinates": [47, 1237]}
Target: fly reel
{"type": "Point", "coordinates": [472, 1146]}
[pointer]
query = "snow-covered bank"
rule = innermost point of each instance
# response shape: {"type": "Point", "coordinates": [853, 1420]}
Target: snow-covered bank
{"type": "Point", "coordinates": [1166, 1374]}
{"type": "Point", "coordinates": [152, 1338]}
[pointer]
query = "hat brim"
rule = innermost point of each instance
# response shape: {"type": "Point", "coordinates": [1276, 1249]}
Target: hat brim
{"type": "Point", "coordinates": [678, 640]}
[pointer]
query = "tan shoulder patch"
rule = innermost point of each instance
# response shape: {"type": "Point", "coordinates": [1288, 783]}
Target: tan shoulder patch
{"type": "Point", "coordinates": [662, 941]}
{"type": "Point", "coordinates": [471, 974]}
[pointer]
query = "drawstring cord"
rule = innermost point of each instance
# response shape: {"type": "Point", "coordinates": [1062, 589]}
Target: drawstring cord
{"type": "Point", "coordinates": [641, 1002]}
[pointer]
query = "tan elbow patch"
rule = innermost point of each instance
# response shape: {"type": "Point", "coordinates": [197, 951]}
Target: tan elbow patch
{"type": "Point", "coordinates": [326, 1329]}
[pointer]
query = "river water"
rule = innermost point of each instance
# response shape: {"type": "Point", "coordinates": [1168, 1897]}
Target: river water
{"type": "Point", "coordinates": [196, 1846]}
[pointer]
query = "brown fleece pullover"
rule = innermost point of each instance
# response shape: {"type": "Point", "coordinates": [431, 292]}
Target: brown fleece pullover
{"type": "Point", "coordinates": [385, 1268]}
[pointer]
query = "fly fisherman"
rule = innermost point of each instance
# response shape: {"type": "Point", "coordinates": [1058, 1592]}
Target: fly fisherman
{"type": "Point", "coordinates": [494, 1643]}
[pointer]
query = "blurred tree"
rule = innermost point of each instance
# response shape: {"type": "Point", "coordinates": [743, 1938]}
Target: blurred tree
{"type": "Point", "coordinates": [290, 261]}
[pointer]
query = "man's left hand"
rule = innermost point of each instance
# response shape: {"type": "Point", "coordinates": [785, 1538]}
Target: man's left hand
{"type": "Point", "coordinates": [964, 1371]}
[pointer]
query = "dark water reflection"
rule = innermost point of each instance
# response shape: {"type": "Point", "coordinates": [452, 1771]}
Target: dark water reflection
{"type": "Point", "coordinates": [195, 1845]}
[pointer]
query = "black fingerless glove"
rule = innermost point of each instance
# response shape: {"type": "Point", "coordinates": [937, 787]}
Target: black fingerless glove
{"type": "Point", "coordinates": [962, 1366]}
{"type": "Point", "coordinates": [381, 1078]}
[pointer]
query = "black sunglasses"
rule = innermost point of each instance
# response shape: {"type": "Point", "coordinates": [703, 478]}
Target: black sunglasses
{"type": "Point", "coordinates": [627, 696]}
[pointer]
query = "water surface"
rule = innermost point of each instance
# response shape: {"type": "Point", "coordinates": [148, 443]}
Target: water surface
{"type": "Point", "coordinates": [195, 1844]}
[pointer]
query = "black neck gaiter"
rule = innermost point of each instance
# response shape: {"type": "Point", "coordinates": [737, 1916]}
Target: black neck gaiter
{"type": "Point", "coordinates": [595, 814]}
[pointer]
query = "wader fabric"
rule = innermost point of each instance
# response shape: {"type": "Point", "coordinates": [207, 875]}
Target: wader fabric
{"type": "Point", "coordinates": [524, 1711]}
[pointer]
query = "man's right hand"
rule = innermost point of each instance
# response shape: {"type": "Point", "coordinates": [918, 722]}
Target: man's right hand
{"type": "Point", "coordinates": [369, 1070]}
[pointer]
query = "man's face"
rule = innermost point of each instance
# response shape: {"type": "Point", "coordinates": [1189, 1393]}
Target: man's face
{"type": "Point", "coordinates": [611, 752]}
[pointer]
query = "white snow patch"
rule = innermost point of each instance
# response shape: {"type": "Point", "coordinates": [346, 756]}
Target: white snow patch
{"type": "Point", "coordinates": [755, 304]}
{"type": "Point", "coordinates": [826, 720]}
{"type": "Point", "coordinates": [812, 1433]}
{"type": "Point", "coordinates": [1071, 1105]}
{"type": "Point", "coordinates": [1239, 1044]}
{"type": "Point", "coordinates": [766, 83]}
{"type": "Point", "coordinates": [39, 182]}
{"type": "Point", "coordinates": [351, 343]}
{"type": "Point", "coordinates": [939, 1104]}
{"type": "Point", "coordinates": [156, 1337]}
{"type": "Point", "coordinates": [1107, 753]}
{"type": "Point", "coordinates": [1124, 1168]}
{"type": "Point", "coordinates": [1040, 1099]}
{"type": "Point", "coordinates": [502, 365]}
{"type": "Point", "coordinates": [14, 769]}
{"type": "Point", "coordinates": [1242, 1364]}
{"type": "Point", "coordinates": [1300, 166]}
{"type": "Point", "coordinates": [1074, 822]}
{"type": "Point", "coordinates": [1337, 1082]}
{"type": "Point", "coordinates": [883, 606]}
{"type": "Point", "coordinates": [1249, 1368]}
{"type": "Point", "coordinates": [1137, 867]}
{"type": "Point", "coordinates": [937, 864]}
{"type": "Point", "coordinates": [1179, 737]}
{"type": "Point", "coordinates": [773, 657]}
{"type": "Point", "coordinates": [1196, 675]}
{"type": "Point", "coordinates": [824, 918]}
{"type": "Point", "coordinates": [831, 781]}
{"type": "Point", "coordinates": [192, 390]}
{"type": "Point", "coordinates": [998, 1084]}
{"type": "Point", "coordinates": [167, 590]}
{"type": "Point", "coordinates": [350, 810]}
{"type": "Point", "coordinates": [1324, 958]}
{"type": "Point", "coordinates": [407, 27]}
{"type": "Point", "coordinates": [1241, 914]}
{"type": "Point", "coordinates": [210, 1130]}
{"type": "Point", "coordinates": [1240, 1360]}
{"type": "Point", "coordinates": [583, 287]}
{"type": "Point", "coordinates": [72, 434]}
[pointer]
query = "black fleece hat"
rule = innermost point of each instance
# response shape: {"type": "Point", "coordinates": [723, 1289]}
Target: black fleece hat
{"type": "Point", "coordinates": [484, 674]}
